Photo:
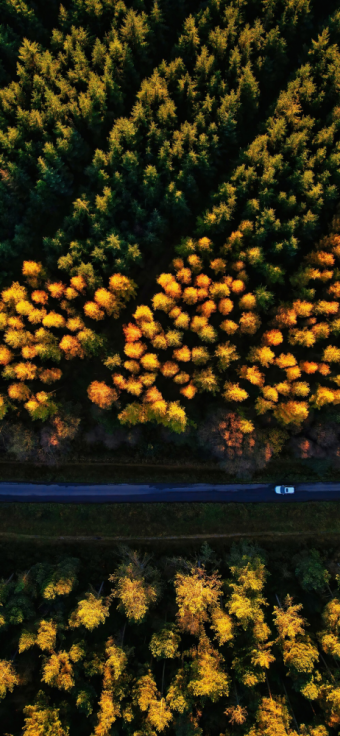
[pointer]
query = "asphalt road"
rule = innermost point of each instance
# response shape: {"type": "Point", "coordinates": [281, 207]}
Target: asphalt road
{"type": "Point", "coordinates": [163, 492]}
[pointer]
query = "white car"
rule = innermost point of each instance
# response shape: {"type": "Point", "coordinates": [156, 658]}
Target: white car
{"type": "Point", "coordinates": [284, 489]}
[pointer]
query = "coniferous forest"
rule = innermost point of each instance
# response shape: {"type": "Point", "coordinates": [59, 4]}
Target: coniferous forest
{"type": "Point", "coordinates": [170, 228]}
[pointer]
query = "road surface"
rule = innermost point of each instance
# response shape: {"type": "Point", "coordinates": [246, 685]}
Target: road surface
{"type": "Point", "coordinates": [163, 492]}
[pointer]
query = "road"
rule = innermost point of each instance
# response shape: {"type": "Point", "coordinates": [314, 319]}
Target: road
{"type": "Point", "coordinates": [163, 492]}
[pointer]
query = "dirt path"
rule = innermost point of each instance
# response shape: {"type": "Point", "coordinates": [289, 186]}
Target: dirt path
{"type": "Point", "coordinates": [232, 535]}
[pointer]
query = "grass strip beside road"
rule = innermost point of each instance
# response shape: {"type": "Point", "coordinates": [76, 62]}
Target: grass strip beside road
{"type": "Point", "coordinates": [161, 520]}
{"type": "Point", "coordinates": [278, 471]}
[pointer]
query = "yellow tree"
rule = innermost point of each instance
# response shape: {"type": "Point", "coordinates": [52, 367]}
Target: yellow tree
{"type": "Point", "coordinates": [8, 677]}
{"type": "Point", "coordinates": [299, 652]}
{"type": "Point", "coordinates": [158, 713]}
{"type": "Point", "coordinates": [330, 635]}
{"type": "Point", "coordinates": [42, 720]}
{"type": "Point", "coordinates": [207, 677]}
{"type": "Point", "coordinates": [196, 594]}
{"type": "Point", "coordinates": [165, 643]}
{"type": "Point", "coordinates": [90, 612]}
{"type": "Point", "coordinates": [115, 684]}
{"type": "Point", "coordinates": [246, 604]}
{"type": "Point", "coordinates": [58, 671]}
{"type": "Point", "coordinates": [136, 585]}
{"type": "Point", "coordinates": [101, 394]}
{"type": "Point", "coordinates": [273, 719]}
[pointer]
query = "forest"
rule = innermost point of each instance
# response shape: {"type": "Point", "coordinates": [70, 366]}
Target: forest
{"type": "Point", "coordinates": [170, 229]}
{"type": "Point", "coordinates": [242, 641]}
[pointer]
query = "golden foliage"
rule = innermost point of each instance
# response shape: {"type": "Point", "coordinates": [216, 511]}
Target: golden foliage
{"type": "Point", "coordinates": [174, 338]}
{"type": "Point", "coordinates": [160, 342]}
{"type": "Point", "coordinates": [263, 355]}
{"type": "Point", "coordinates": [233, 392]}
{"type": "Point", "coordinates": [184, 275]}
{"type": "Point", "coordinates": [8, 677]}
{"type": "Point", "coordinates": [143, 314]}
{"type": "Point", "coordinates": [15, 322]}
{"type": "Point", "coordinates": [225, 354]}
{"type": "Point", "coordinates": [285, 317]}
{"type": "Point", "coordinates": [189, 391]}
{"type": "Point", "coordinates": [182, 354]}
{"type": "Point", "coordinates": [71, 347]}
{"type": "Point", "coordinates": [32, 272]}
{"type": "Point", "coordinates": [132, 332]}
{"type": "Point", "coordinates": [25, 371]}
{"type": "Point", "coordinates": [92, 310]}
{"type": "Point", "coordinates": [247, 301]}
{"type": "Point", "coordinates": [75, 324]}
{"type": "Point", "coordinates": [132, 366]}
{"type": "Point", "coordinates": [190, 295]}
{"type": "Point", "coordinates": [78, 283]}
{"type": "Point", "coordinates": [47, 634]}
{"type": "Point", "coordinates": [14, 294]}
{"type": "Point", "coordinates": [182, 377]}
{"type": "Point", "coordinates": [291, 412]}
{"type": "Point", "coordinates": [101, 394]}
{"type": "Point", "coordinates": [249, 323]}
{"type": "Point", "coordinates": [24, 307]}
{"type": "Point", "coordinates": [285, 360]}
{"type": "Point", "coordinates": [169, 369]}
{"type": "Point", "coordinates": [331, 354]}
{"type": "Point", "coordinates": [5, 355]}
{"type": "Point", "coordinates": [182, 321]}
{"type": "Point", "coordinates": [39, 296]}
{"type": "Point", "coordinates": [225, 306]}
{"type": "Point", "coordinates": [325, 307]}
{"type": "Point", "coordinates": [28, 351]}
{"type": "Point", "coordinates": [70, 293]}
{"type": "Point", "coordinates": [229, 326]}
{"type": "Point", "coordinates": [19, 392]}
{"type": "Point", "coordinates": [122, 286]}
{"type": "Point", "coordinates": [50, 375]}
{"type": "Point", "coordinates": [150, 362]}
{"type": "Point", "coordinates": [218, 265]}
{"type": "Point", "coordinates": [207, 333]}
{"type": "Point", "coordinates": [106, 300]}
{"type": "Point", "coordinates": [252, 374]}
{"type": "Point", "coordinates": [293, 373]}
{"type": "Point", "coordinates": [56, 289]}
{"type": "Point", "coordinates": [200, 355]}
{"type": "Point", "coordinates": [202, 281]}
{"type": "Point", "coordinates": [196, 594]}
{"type": "Point", "coordinates": [90, 612]}
{"type": "Point", "coordinates": [272, 337]}
{"type": "Point", "coordinates": [162, 302]}
{"type": "Point", "coordinates": [308, 366]}
{"type": "Point", "coordinates": [133, 386]}
{"type": "Point", "coordinates": [237, 286]}
{"type": "Point", "coordinates": [135, 350]}
{"type": "Point", "coordinates": [302, 308]}
{"type": "Point", "coordinates": [205, 380]}
{"type": "Point", "coordinates": [53, 319]}
{"type": "Point", "coordinates": [207, 308]}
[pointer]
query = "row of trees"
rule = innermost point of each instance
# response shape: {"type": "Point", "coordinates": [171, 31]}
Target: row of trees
{"type": "Point", "coordinates": [185, 646]}
{"type": "Point", "coordinates": [263, 365]}
{"type": "Point", "coordinates": [269, 350]}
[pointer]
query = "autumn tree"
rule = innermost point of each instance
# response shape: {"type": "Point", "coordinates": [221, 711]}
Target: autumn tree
{"type": "Point", "coordinates": [197, 593]}
{"type": "Point", "coordinates": [136, 585]}
{"type": "Point", "coordinates": [299, 652]}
